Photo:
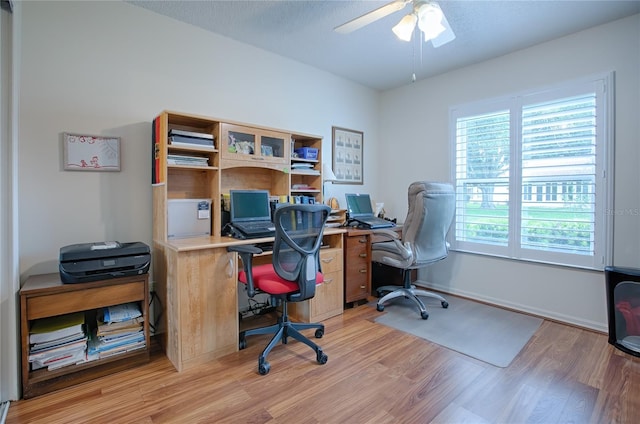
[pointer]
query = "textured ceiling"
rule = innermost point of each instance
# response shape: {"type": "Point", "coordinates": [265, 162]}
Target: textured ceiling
{"type": "Point", "coordinates": [372, 56]}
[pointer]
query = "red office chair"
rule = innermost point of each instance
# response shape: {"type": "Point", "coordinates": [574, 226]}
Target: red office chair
{"type": "Point", "coordinates": [291, 277]}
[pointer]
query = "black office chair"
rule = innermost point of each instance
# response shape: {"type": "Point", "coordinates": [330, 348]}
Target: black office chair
{"type": "Point", "coordinates": [291, 277]}
{"type": "Point", "coordinates": [424, 232]}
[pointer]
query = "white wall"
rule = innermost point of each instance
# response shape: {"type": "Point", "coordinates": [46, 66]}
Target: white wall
{"type": "Point", "coordinates": [109, 68]}
{"type": "Point", "coordinates": [415, 122]}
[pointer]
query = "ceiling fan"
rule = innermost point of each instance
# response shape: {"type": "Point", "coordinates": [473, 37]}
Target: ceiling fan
{"type": "Point", "coordinates": [426, 14]}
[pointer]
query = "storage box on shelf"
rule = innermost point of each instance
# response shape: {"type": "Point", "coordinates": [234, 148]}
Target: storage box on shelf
{"type": "Point", "coordinates": [44, 296]}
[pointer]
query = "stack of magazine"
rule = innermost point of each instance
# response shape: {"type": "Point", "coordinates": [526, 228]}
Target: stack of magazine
{"type": "Point", "coordinates": [119, 330]}
{"type": "Point", "coordinates": [57, 341]}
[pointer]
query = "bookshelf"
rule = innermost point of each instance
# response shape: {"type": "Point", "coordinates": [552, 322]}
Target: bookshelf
{"type": "Point", "coordinates": [44, 296]}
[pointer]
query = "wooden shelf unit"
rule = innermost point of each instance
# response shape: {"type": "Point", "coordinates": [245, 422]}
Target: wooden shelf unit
{"type": "Point", "coordinates": [268, 166]}
{"type": "Point", "coordinates": [44, 296]}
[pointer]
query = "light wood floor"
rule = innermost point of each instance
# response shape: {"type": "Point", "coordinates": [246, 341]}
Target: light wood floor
{"type": "Point", "coordinates": [374, 375]}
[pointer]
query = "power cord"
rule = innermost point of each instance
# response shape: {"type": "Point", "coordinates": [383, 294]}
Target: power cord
{"type": "Point", "coordinates": [256, 308]}
{"type": "Point", "coordinates": [153, 297]}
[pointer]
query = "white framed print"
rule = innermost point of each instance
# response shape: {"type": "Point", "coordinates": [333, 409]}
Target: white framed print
{"type": "Point", "coordinates": [91, 152]}
{"type": "Point", "coordinates": [348, 162]}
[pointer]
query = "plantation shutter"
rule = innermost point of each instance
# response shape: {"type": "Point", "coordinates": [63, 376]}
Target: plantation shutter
{"type": "Point", "coordinates": [558, 164]}
{"type": "Point", "coordinates": [531, 174]}
{"type": "Point", "coordinates": [482, 178]}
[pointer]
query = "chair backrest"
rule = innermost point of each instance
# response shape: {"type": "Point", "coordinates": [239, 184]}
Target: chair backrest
{"type": "Point", "coordinates": [299, 230]}
{"type": "Point", "coordinates": [431, 211]}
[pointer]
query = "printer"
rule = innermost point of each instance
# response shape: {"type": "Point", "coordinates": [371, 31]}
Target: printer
{"type": "Point", "coordinates": [85, 262]}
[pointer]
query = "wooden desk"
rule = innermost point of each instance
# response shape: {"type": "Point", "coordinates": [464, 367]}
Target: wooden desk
{"type": "Point", "coordinates": [196, 281]}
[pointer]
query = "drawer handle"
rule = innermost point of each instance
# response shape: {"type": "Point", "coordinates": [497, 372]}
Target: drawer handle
{"type": "Point", "coordinates": [257, 158]}
{"type": "Point", "coordinates": [363, 287]}
{"type": "Point", "coordinates": [363, 271]}
{"type": "Point", "coordinates": [363, 255]}
{"type": "Point", "coordinates": [327, 260]}
{"type": "Point", "coordinates": [328, 281]}
{"type": "Point", "coordinates": [364, 240]}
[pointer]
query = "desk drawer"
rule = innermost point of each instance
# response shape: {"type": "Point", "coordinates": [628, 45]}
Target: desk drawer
{"type": "Point", "coordinates": [331, 260]}
{"type": "Point", "coordinates": [82, 300]}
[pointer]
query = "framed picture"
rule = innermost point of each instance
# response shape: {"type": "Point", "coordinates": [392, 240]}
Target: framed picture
{"type": "Point", "coordinates": [348, 161]}
{"type": "Point", "coordinates": [91, 153]}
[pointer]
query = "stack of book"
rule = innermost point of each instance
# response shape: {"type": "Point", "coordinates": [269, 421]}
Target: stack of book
{"type": "Point", "coordinates": [119, 330]}
{"type": "Point", "coordinates": [190, 138]}
{"type": "Point", "coordinates": [57, 341]}
{"type": "Point", "coordinates": [187, 160]}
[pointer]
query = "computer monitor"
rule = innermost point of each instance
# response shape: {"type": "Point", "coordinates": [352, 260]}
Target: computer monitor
{"type": "Point", "coordinates": [249, 205]}
{"type": "Point", "coordinates": [358, 205]}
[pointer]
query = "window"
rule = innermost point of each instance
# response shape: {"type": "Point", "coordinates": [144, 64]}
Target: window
{"type": "Point", "coordinates": [530, 174]}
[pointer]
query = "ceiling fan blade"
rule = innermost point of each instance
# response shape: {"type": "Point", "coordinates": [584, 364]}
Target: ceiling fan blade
{"type": "Point", "coordinates": [446, 36]}
{"type": "Point", "coordinates": [372, 16]}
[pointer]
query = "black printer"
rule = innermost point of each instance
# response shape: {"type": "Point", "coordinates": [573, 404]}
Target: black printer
{"type": "Point", "coordinates": [85, 262]}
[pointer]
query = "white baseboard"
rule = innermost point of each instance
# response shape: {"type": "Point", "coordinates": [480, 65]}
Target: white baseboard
{"type": "Point", "coordinates": [542, 313]}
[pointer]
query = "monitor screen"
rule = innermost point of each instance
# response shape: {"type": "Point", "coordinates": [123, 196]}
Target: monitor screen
{"type": "Point", "coordinates": [358, 205]}
{"type": "Point", "coordinates": [249, 205]}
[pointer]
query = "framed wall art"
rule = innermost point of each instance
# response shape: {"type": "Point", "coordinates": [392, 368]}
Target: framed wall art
{"type": "Point", "coordinates": [91, 152]}
{"type": "Point", "coordinates": [348, 161]}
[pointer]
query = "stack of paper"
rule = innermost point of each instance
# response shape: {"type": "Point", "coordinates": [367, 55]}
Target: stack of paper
{"type": "Point", "coordinates": [120, 330]}
{"type": "Point", "coordinates": [58, 341]}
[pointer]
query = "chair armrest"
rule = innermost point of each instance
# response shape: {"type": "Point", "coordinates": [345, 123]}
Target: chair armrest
{"type": "Point", "coordinates": [389, 235]}
{"type": "Point", "coordinates": [246, 253]}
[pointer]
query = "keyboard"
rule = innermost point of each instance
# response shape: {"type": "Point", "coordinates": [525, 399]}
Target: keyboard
{"type": "Point", "coordinates": [259, 227]}
{"type": "Point", "coordinates": [373, 222]}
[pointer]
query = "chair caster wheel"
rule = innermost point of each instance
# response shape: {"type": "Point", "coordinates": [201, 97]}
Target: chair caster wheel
{"type": "Point", "coordinates": [319, 333]}
{"type": "Point", "coordinates": [322, 357]}
{"type": "Point", "coordinates": [380, 307]}
{"type": "Point", "coordinates": [242, 344]}
{"type": "Point", "coordinates": [264, 368]}
{"type": "Point", "coordinates": [445, 304]}
{"type": "Point", "coordinates": [424, 315]}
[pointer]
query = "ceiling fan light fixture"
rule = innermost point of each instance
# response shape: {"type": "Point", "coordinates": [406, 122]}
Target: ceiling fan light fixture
{"type": "Point", "coordinates": [404, 29]}
{"type": "Point", "coordinates": [430, 20]}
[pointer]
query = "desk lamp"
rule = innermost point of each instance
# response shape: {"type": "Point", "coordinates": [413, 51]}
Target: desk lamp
{"type": "Point", "coordinates": [327, 176]}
